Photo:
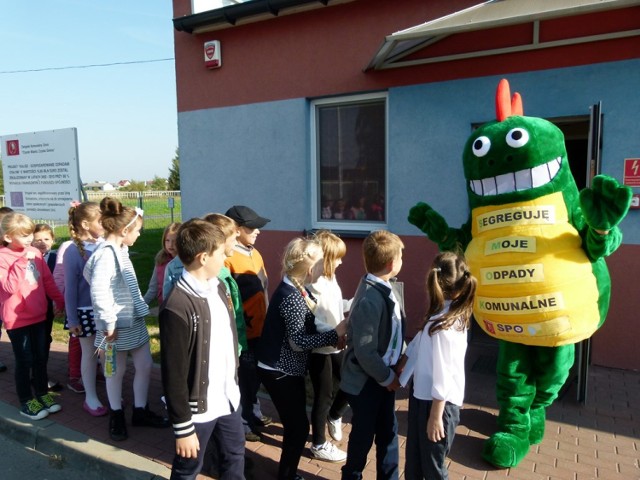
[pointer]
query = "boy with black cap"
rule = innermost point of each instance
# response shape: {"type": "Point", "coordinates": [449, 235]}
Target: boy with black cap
{"type": "Point", "coordinates": [247, 268]}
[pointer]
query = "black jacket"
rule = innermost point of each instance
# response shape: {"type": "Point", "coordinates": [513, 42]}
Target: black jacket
{"type": "Point", "coordinates": [185, 329]}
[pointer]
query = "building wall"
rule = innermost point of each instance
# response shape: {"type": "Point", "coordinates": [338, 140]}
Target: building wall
{"type": "Point", "coordinates": [244, 132]}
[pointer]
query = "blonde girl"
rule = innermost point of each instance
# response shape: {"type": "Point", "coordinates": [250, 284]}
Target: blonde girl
{"type": "Point", "coordinates": [329, 404]}
{"type": "Point", "coordinates": [119, 312]}
{"type": "Point", "coordinates": [288, 336]}
{"type": "Point", "coordinates": [25, 284]}
{"type": "Point", "coordinates": [85, 230]}
{"type": "Point", "coordinates": [436, 358]}
{"type": "Point", "coordinates": [167, 253]}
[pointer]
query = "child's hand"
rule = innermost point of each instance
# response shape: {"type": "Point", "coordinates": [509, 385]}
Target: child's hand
{"type": "Point", "coordinates": [342, 342]}
{"type": "Point", "coordinates": [341, 328]}
{"type": "Point", "coordinates": [75, 330]}
{"type": "Point", "coordinates": [394, 385]}
{"type": "Point", "coordinates": [435, 428]}
{"type": "Point", "coordinates": [188, 447]}
{"type": "Point", "coordinates": [111, 335]}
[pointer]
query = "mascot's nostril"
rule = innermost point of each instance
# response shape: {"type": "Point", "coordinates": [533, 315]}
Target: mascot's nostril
{"type": "Point", "coordinates": [509, 158]}
{"type": "Point", "coordinates": [491, 162]}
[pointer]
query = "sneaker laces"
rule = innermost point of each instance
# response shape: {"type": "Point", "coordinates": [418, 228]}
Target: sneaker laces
{"type": "Point", "coordinates": [34, 406]}
{"type": "Point", "coordinates": [48, 398]}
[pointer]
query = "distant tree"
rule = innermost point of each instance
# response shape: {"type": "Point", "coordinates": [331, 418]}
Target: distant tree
{"type": "Point", "coordinates": [173, 182]}
{"type": "Point", "coordinates": [135, 186]}
{"type": "Point", "coordinates": [158, 184]}
{"type": "Point", "coordinates": [1, 178]}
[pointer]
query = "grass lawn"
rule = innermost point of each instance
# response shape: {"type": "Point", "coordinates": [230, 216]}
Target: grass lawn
{"type": "Point", "coordinates": [142, 255]}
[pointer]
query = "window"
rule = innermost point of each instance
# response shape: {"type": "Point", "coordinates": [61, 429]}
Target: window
{"type": "Point", "coordinates": [349, 162]}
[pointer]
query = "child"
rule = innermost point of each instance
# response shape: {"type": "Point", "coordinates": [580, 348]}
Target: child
{"type": "Point", "coordinates": [247, 267]}
{"type": "Point", "coordinates": [119, 311]}
{"type": "Point", "coordinates": [25, 284]}
{"type": "Point", "coordinates": [288, 337]}
{"type": "Point", "coordinates": [85, 230]}
{"type": "Point", "coordinates": [329, 404]}
{"type": "Point", "coordinates": [374, 344]}
{"type": "Point", "coordinates": [199, 347]}
{"type": "Point", "coordinates": [436, 359]}
{"type": "Point", "coordinates": [43, 240]}
{"type": "Point", "coordinates": [175, 267]}
{"type": "Point", "coordinates": [164, 256]}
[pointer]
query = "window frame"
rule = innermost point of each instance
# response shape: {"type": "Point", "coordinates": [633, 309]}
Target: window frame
{"type": "Point", "coordinates": [345, 227]}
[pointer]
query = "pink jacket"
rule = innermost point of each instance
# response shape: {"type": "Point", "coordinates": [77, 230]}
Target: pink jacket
{"type": "Point", "coordinates": [24, 288]}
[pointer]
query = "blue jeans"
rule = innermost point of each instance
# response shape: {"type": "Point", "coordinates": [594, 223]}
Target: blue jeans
{"type": "Point", "coordinates": [229, 439]}
{"type": "Point", "coordinates": [373, 417]}
{"type": "Point", "coordinates": [31, 351]}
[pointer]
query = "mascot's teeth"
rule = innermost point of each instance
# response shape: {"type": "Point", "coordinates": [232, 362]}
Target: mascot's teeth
{"type": "Point", "coordinates": [517, 181]}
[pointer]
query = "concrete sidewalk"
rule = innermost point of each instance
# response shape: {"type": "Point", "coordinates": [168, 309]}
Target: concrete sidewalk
{"type": "Point", "coordinates": [599, 440]}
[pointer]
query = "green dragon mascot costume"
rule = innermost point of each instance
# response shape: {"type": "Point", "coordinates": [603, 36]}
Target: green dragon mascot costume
{"type": "Point", "coordinates": [537, 247]}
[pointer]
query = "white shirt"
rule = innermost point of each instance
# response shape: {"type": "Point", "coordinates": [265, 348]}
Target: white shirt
{"type": "Point", "coordinates": [223, 391]}
{"type": "Point", "coordinates": [330, 307]}
{"type": "Point", "coordinates": [437, 364]}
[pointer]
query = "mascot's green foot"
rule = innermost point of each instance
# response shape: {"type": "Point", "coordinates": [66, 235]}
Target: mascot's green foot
{"type": "Point", "coordinates": [505, 450]}
{"type": "Point", "coordinates": [538, 418]}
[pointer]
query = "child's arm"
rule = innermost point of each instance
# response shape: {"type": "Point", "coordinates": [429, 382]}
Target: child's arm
{"type": "Point", "coordinates": [174, 364]}
{"type": "Point", "coordinates": [294, 313]}
{"type": "Point", "coordinates": [365, 318]}
{"type": "Point", "coordinates": [152, 291]}
{"type": "Point", "coordinates": [102, 293]}
{"type": "Point", "coordinates": [50, 287]}
{"type": "Point", "coordinates": [435, 426]}
{"type": "Point", "coordinates": [71, 275]}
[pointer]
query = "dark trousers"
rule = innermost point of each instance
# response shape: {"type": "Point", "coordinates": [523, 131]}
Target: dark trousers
{"type": "Point", "coordinates": [426, 459]}
{"type": "Point", "coordinates": [229, 438]}
{"type": "Point", "coordinates": [288, 394]}
{"type": "Point", "coordinates": [328, 400]}
{"type": "Point", "coordinates": [31, 351]}
{"type": "Point", "coordinates": [373, 418]}
{"type": "Point", "coordinates": [248, 382]}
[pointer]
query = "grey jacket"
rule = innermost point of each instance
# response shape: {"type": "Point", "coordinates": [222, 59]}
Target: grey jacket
{"type": "Point", "coordinates": [369, 334]}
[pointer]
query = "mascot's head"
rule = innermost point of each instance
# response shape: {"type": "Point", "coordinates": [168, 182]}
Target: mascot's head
{"type": "Point", "coordinates": [515, 158]}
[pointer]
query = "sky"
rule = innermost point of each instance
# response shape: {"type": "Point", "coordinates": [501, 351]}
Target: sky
{"type": "Point", "coordinates": [125, 115]}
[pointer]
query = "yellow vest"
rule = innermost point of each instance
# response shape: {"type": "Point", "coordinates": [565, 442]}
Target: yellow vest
{"type": "Point", "coordinates": [535, 282]}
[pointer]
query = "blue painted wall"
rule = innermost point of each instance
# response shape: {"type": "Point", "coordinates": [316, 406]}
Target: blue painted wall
{"type": "Point", "coordinates": [258, 154]}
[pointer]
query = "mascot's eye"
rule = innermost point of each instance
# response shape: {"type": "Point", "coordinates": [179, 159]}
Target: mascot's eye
{"type": "Point", "coordinates": [481, 146]}
{"type": "Point", "coordinates": [517, 137]}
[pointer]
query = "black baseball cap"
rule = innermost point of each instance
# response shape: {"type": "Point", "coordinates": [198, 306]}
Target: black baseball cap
{"type": "Point", "coordinates": [245, 217]}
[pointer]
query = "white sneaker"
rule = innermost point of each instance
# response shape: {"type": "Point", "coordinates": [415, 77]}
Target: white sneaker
{"type": "Point", "coordinates": [335, 428]}
{"type": "Point", "coordinates": [328, 452]}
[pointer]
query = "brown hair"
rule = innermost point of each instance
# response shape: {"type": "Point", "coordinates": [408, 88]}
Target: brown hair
{"type": "Point", "coordinates": [196, 236]}
{"type": "Point", "coordinates": [83, 212]}
{"type": "Point", "coordinates": [449, 279]}
{"type": "Point", "coordinates": [333, 248]}
{"type": "Point", "coordinates": [44, 227]}
{"type": "Point", "coordinates": [163, 256]}
{"type": "Point", "coordinates": [15, 223]}
{"type": "Point", "coordinates": [379, 249]}
{"type": "Point", "coordinates": [115, 216]}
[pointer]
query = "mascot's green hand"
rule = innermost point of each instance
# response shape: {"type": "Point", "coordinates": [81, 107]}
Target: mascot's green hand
{"type": "Point", "coordinates": [430, 222]}
{"type": "Point", "coordinates": [606, 203]}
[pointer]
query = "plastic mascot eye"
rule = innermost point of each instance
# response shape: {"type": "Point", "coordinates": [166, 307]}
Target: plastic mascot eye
{"type": "Point", "coordinates": [481, 146]}
{"type": "Point", "coordinates": [517, 137]}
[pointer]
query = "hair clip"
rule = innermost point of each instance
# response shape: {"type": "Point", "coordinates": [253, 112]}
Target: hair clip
{"type": "Point", "coordinates": [139, 213]}
{"type": "Point", "coordinates": [75, 203]}
{"type": "Point", "coordinates": [437, 269]}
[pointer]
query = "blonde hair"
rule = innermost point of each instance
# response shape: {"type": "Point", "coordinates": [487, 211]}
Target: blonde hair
{"type": "Point", "coordinates": [379, 249]}
{"type": "Point", "coordinates": [163, 256]}
{"type": "Point", "coordinates": [449, 279]}
{"type": "Point", "coordinates": [86, 211]}
{"type": "Point", "coordinates": [227, 224]}
{"type": "Point", "coordinates": [333, 248]}
{"type": "Point", "coordinates": [15, 223]}
{"type": "Point", "coordinates": [300, 255]}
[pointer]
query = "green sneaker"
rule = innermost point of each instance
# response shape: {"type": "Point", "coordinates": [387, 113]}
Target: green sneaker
{"type": "Point", "coordinates": [34, 410]}
{"type": "Point", "coordinates": [49, 404]}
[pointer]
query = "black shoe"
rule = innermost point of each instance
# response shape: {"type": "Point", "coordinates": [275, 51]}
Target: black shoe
{"type": "Point", "coordinates": [117, 425]}
{"type": "Point", "coordinates": [143, 417]}
{"type": "Point", "coordinates": [54, 386]}
{"type": "Point", "coordinates": [3, 367]}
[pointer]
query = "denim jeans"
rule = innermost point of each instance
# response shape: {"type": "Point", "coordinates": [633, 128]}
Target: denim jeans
{"type": "Point", "coordinates": [31, 351]}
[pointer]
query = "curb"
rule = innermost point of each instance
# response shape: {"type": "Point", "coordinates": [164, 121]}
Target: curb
{"type": "Point", "coordinates": [51, 439]}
